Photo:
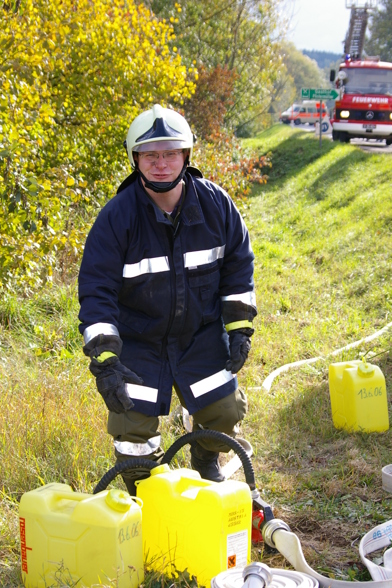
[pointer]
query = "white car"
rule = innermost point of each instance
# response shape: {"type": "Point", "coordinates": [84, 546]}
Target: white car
{"type": "Point", "coordinates": [307, 112]}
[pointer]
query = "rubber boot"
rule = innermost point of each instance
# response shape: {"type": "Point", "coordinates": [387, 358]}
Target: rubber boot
{"type": "Point", "coordinates": [132, 476]}
{"type": "Point", "coordinates": [206, 463]}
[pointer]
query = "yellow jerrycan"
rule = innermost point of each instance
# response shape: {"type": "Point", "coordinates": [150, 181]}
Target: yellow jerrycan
{"type": "Point", "coordinates": [193, 524]}
{"type": "Point", "coordinates": [358, 396]}
{"type": "Point", "coordinates": [82, 539]}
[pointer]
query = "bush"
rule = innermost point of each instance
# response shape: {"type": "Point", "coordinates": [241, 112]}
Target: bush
{"type": "Point", "coordinates": [72, 80]}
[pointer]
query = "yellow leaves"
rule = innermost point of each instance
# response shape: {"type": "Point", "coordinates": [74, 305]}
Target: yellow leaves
{"type": "Point", "coordinates": [70, 84]}
{"type": "Point", "coordinates": [14, 135]}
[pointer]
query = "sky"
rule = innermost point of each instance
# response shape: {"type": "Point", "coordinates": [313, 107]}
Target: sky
{"type": "Point", "coordinates": [318, 24]}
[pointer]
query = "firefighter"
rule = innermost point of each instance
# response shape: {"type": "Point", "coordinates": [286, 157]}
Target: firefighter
{"type": "Point", "coordinates": [167, 298]}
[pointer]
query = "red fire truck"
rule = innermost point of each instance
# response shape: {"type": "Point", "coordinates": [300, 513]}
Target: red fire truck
{"type": "Point", "coordinates": [364, 106]}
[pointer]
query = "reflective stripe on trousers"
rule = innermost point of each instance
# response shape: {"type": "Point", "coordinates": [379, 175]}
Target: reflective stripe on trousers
{"type": "Point", "coordinates": [137, 449]}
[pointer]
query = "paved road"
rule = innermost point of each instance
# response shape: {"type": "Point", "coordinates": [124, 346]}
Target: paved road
{"type": "Point", "coordinates": [371, 145]}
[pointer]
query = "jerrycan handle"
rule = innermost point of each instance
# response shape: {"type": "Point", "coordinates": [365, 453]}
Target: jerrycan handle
{"type": "Point", "coordinates": [75, 496]}
{"type": "Point", "coordinates": [53, 501]}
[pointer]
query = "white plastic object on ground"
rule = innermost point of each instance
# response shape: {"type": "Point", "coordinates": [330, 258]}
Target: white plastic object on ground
{"type": "Point", "coordinates": [386, 474]}
{"type": "Point", "coordinates": [266, 385]}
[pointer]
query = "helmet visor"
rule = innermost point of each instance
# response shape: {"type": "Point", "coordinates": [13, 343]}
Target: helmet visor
{"type": "Point", "coordinates": [160, 146]}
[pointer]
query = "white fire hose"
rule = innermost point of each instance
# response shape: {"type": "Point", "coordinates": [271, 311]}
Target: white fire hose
{"type": "Point", "coordinates": [266, 385]}
{"type": "Point", "coordinates": [277, 534]}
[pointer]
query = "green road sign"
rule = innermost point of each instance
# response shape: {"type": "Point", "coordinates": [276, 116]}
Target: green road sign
{"type": "Point", "coordinates": [318, 93]}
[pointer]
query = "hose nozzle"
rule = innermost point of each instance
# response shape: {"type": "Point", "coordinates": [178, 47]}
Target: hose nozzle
{"type": "Point", "coordinates": [256, 575]}
{"type": "Point", "coordinates": [269, 528]}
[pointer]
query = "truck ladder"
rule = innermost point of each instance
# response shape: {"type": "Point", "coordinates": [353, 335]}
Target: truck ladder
{"type": "Point", "coordinates": [355, 37]}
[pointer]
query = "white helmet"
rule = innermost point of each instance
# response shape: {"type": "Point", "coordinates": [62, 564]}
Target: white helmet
{"type": "Point", "coordinates": [156, 125]}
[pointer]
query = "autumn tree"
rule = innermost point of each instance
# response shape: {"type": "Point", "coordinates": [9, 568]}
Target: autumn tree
{"type": "Point", "coordinates": [73, 76]}
{"type": "Point", "coordinates": [239, 35]}
{"type": "Point", "coordinates": [206, 109]}
{"type": "Point", "coordinates": [379, 41]}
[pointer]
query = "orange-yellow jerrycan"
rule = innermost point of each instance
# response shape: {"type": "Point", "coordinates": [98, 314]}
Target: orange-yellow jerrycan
{"type": "Point", "coordinates": [194, 524]}
{"type": "Point", "coordinates": [358, 397]}
{"type": "Point", "coordinates": [80, 539]}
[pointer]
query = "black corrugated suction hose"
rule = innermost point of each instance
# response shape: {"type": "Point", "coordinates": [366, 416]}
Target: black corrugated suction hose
{"type": "Point", "coordinates": [131, 463]}
{"type": "Point", "coordinates": [223, 438]}
{"type": "Point", "coordinates": [139, 462]}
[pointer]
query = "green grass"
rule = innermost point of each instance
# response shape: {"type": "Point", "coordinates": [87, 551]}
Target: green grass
{"type": "Point", "coordinates": [322, 235]}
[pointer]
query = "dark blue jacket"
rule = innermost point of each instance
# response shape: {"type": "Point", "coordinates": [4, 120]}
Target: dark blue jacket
{"type": "Point", "coordinates": [161, 290]}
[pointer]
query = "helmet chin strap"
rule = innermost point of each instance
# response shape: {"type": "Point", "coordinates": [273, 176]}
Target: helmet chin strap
{"type": "Point", "coordinates": [161, 187]}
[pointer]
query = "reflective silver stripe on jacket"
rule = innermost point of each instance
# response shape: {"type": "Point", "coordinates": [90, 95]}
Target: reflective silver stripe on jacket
{"type": "Point", "coordinates": [203, 386]}
{"type": "Point", "coordinates": [99, 329]}
{"type": "Point", "coordinates": [194, 259]}
{"type": "Point", "coordinates": [246, 298]}
{"type": "Point", "coordinates": [136, 449]}
{"type": "Point", "coordinates": [142, 392]}
{"type": "Point", "coordinates": [149, 265]}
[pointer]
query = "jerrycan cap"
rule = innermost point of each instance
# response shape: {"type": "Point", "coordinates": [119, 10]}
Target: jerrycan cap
{"type": "Point", "coordinates": [365, 368]}
{"type": "Point", "coordinates": [118, 500]}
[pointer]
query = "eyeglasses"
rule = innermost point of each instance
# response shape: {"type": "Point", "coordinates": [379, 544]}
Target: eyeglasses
{"type": "Point", "coordinates": [153, 156]}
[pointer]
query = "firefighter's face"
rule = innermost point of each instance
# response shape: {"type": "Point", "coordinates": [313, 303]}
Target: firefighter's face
{"type": "Point", "coordinates": [161, 166]}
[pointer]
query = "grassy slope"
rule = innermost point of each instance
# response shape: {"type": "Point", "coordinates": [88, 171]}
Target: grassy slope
{"type": "Point", "coordinates": [321, 231]}
{"type": "Point", "coordinates": [322, 235]}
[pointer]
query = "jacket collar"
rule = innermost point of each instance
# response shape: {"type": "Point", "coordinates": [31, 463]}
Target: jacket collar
{"type": "Point", "coordinates": [191, 213]}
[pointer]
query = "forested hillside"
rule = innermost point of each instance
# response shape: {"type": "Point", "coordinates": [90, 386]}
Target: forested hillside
{"type": "Point", "coordinates": [324, 59]}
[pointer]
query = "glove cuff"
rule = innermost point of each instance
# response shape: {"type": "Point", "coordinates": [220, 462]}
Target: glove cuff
{"type": "Point", "coordinates": [237, 315]}
{"type": "Point", "coordinates": [101, 344]}
{"type": "Point", "coordinates": [248, 332]}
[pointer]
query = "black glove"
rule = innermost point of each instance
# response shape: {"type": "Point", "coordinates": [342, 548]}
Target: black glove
{"type": "Point", "coordinates": [239, 342]}
{"type": "Point", "coordinates": [111, 376]}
